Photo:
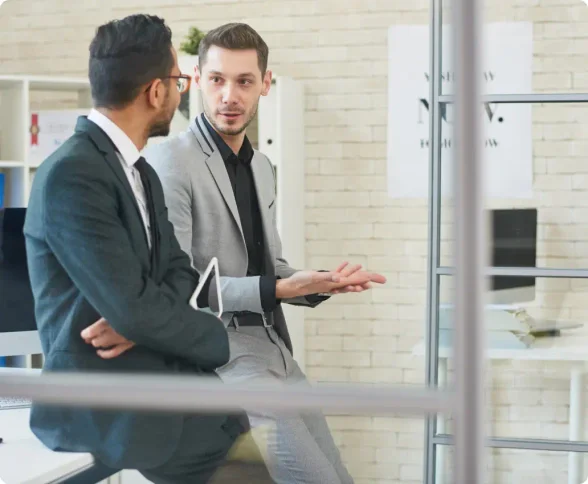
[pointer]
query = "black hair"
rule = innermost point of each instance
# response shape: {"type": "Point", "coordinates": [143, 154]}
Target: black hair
{"type": "Point", "coordinates": [127, 54]}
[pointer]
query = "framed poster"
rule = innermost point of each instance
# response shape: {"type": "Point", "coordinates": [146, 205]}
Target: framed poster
{"type": "Point", "coordinates": [49, 129]}
{"type": "Point", "coordinates": [507, 139]}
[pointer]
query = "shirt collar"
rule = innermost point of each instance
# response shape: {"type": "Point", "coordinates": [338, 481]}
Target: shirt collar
{"type": "Point", "coordinates": [122, 142]}
{"type": "Point", "coordinates": [245, 153]}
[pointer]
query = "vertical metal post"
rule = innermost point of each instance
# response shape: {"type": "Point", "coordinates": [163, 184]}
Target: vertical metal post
{"type": "Point", "coordinates": [470, 240]}
{"type": "Point", "coordinates": [576, 423]}
{"type": "Point", "coordinates": [434, 232]}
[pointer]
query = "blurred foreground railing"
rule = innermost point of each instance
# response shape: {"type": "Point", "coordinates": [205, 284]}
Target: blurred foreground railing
{"type": "Point", "coordinates": [201, 394]}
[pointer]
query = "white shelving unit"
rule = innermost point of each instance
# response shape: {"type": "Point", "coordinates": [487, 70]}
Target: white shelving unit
{"type": "Point", "coordinates": [16, 96]}
{"type": "Point", "coordinates": [15, 124]}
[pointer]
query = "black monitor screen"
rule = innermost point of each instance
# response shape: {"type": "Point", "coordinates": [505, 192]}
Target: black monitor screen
{"type": "Point", "coordinates": [16, 297]}
{"type": "Point", "coordinates": [514, 240]}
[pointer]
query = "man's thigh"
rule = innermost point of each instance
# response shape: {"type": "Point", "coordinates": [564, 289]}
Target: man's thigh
{"type": "Point", "coordinates": [253, 357]}
{"type": "Point", "coordinates": [303, 443]}
{"type": "Point", "coordinates": [291, 451]}
{"type": "Point", "coordinates": [202, 450]}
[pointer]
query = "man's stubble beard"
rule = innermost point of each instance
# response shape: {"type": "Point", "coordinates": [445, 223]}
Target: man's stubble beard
{"type": "Point", "coordinates": [229, 131]}
{"type": "Point", "coordinates": [162, 127]}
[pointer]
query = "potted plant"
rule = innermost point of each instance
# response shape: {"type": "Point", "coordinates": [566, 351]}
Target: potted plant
{"type": "Point", "coordinates": [190, 105]}
{"type": "Point", "coordinates": [192, 41]}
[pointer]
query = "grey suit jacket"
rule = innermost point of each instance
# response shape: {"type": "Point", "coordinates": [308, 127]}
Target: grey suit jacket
{"type": "Point", "coordinates": [203, 211]}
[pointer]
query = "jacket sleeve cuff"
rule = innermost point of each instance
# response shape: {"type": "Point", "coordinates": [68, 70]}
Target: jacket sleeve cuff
{"type": "Point", "coordinates": [267, 292]}
{"type": "Point", "coordinates": [317, 298]}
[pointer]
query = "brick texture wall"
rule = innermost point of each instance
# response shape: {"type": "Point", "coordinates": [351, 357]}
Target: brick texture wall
{"type": "Point", "coordinates": [338, 48]}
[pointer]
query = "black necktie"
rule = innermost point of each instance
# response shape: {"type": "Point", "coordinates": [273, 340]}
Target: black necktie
{"type": "Point", "coordinates": [142, 168]}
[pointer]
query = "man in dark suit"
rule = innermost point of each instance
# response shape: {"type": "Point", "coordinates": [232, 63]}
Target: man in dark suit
{"type": "Point", "coordinates": [99, 245]}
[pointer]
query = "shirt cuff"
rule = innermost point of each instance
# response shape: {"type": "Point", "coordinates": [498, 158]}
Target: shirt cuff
{"type": "Point", "coordinates": [267, 292]}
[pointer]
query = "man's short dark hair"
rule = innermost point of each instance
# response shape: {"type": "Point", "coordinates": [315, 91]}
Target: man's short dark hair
{"type": "Point", "coordinates": [127, 54]}
{"type": "Point", "coordinates": [235, 36]}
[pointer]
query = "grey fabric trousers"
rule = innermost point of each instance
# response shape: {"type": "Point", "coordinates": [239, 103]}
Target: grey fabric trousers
{"type": "Point", "coordinates": [298, 449]}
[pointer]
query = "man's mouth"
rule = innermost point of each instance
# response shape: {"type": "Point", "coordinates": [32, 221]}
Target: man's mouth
{"type": "Point", "coordinates": [230, 115]}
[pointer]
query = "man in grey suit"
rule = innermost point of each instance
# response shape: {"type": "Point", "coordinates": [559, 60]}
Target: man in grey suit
{"type": "Point", "coordinates": [221, 197]}
{"type": "Point", "coordinates": [99, 244]}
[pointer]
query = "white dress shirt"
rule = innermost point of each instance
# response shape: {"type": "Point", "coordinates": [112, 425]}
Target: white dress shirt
{"type": "Point", "coordinates": [128, 154]}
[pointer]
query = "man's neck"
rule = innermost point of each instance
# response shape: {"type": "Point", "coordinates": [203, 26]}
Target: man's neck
{"type": "Point", "coordinates": [126, 120]}
{"type": "Point", "coordinates": [233, 141]}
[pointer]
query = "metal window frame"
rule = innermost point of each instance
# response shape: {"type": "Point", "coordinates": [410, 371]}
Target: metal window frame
{"type": "Point", "coordinates": [434, 268]}
{"type": "Point", "coordinates": [434, 235]}
{"type": "Point", "coordinates": [546, 272]}
{"type": "Point", "coordinates": [545, 98]}
{"type": "Point", "coordinates": [522, 444]}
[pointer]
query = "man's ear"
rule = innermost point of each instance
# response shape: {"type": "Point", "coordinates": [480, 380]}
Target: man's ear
{"type": "Point", "coordinates": [156, 94]}
{"type": "Point", "coordinates": [267, 83]}
{"type": "Point", "coordinates": [197, 76]}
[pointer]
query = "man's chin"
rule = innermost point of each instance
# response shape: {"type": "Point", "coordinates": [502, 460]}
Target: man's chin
{"type": "Point", "coordinates": [160, 131]}
{"type": "Point", "coordinates": [231, 129]}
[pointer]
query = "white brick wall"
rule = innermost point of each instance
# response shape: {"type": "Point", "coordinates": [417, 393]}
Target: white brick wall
{"type": "Point", "coordinates": [338, 48]}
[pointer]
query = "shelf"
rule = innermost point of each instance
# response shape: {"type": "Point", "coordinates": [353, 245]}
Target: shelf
{"type": "Point", "coordinates": [42, 83]}
{"type": "Point", "coordinates": [11, 164]}
{"type": "Point", "coordinates": [18, 94]}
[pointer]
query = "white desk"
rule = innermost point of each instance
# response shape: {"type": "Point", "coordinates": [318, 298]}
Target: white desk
{"type": "Point", "coordinates": [25, 460]}
{"type": "Point", "coordinates": [573, 348]}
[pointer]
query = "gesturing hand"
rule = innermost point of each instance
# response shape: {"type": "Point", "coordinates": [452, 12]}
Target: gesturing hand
{"type": "Point", "coordinates": [355, 279]}
{"type": "Point", "coordinates": [345, 279]}
{"type": "Point", "coordinates": [303, 283]}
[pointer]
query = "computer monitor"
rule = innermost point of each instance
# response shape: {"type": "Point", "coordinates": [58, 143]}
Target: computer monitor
{"type": "Point", "coordinates": [514, 244]}
{"type": "Point", "coordinates": [18, 329]}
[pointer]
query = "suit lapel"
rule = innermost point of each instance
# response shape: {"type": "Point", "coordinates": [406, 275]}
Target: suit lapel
{"type": "Point", "coordinates": [107, 148]}
{"type": "Point", "coordinates": [257, 167]}
{"type": "Point", "coordinates": [217, 169]}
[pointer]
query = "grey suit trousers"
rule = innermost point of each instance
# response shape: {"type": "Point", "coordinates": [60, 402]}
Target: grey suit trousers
{"type": "Point", "coordinates": [298, 449]}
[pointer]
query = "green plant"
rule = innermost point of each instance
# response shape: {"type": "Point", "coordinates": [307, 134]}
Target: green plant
{"type": "Point", "coordinates": [192, 41]}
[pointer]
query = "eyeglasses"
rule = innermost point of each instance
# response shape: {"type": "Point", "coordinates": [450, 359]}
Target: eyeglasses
{"type": "Point", "coordinates": [182, 82]}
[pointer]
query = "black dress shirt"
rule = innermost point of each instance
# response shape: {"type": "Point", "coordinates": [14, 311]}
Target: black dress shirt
{"type": "Point", "coordinates": [239, 170]}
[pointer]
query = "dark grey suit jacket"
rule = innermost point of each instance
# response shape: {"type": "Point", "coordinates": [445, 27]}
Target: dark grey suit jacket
{"type": "Point", "coordinates": [88, 258]}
